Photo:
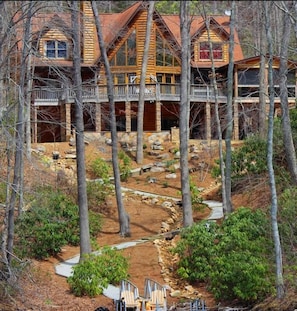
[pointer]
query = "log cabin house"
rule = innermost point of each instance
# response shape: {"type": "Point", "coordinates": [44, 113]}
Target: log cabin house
{"type": "Point", "coordinates": [124, 34]}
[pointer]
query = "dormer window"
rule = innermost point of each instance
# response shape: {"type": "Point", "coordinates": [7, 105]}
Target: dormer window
{"type": "Point", "coordinates": [204, 50]}
{"type": "Point", "coordinates": [56, 49]}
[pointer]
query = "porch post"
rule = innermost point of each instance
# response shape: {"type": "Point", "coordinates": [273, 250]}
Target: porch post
{"type": "Point", "coordinates": [63, 125]}
{"type": "Point", "coordinates": [236, 121]}
{"type": "Point", "coordinates": [98, 117]}
{"type": "Point", "coordinates": [158, 116]}
{"type": "Point", "coordinates": [128, 116]}
{"type": "Point", "coordinates": [34, 127]}
{"type": "Point", "coordinates": [208, 120]}
{"type": "Point", "coordinates": [68, 120]}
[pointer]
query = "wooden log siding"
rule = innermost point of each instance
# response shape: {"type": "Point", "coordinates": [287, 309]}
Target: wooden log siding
{"type": "Point", "coordinates": [214, 39]}
{"type": "Point", "coordinates": [89, 32]}
{"type": "Point", "coordinates": [57, 35]}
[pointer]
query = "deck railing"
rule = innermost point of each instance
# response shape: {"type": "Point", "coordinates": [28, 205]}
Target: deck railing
{"type": "Point", "coordinates": [124, 92]}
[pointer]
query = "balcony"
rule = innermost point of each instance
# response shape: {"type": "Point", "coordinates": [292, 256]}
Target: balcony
{"type": "Point", "coordinates": [45, 96]}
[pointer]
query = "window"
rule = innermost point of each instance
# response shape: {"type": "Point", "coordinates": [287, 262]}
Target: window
{"type": "Point", "coordinates": [217, 51]}
{"type": "Point", "coordinates": [126, 55]}
{"type": "Point", "coordinates": [164, 56]}
{"type": "Point", "coordinates": [248, 76]}
{"type": "Point", "coordinates": [56, 49]}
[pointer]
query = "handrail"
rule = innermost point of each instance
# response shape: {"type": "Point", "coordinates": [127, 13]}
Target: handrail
{"type": "Point", "coordinates": [124, 92]}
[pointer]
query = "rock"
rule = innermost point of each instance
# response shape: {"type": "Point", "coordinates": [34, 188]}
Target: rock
{"type": "Point", "coordinates": [167, 204]}
{"type": "Point", "coordinates": [156, 147]}
{"type": "Point", "coordinates": [175, 293]}
{"type": "Point", "coordinates": [108, 141]}
{"type": "Point", "coordinates": [72, 141]}
{"type": "Point", "coordinates": [160, 164]}
{"type": "Point", "coordinates": [154, 201]}
{"type": "Point", "coordinates": [176, 166]}
{"type": "Point", "coordinates": [156, 169]}
{"type": "Point", "coordinates": [71, 151]}
{"type": "Point", "coordinates": [70, 156]}
{"type": "Point", "coordinates": [41, 149]}
{"type": "Point", "coordinates": [171, 176]}
{"type": "Point", "coordinates": [152, 180]}
{"type": "Point", "coordinates": [165, 226]}
{"type": "Point", "coordinates": [163, 156]}
{"type": "Point", "coordinates": [177, 155]}
{"type": "Point", "coordinates": [146, 168]}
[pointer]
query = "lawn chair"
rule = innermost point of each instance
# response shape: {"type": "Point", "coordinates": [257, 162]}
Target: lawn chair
{"type": "Point", "coordinates": [155, 296]}
{"type": "Point", "coordinates": [129, 296]}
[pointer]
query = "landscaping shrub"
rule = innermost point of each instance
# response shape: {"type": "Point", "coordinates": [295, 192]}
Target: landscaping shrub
{"type": "Point", "coordinates": [101, 169]}
{"type": "Point", "coordinates": [50, 223]}
{"type": "Point", "coordinates": [96, 271]}
{"type": "Point", "coordinates": [125, 165]}
{"type": "Point", "coordinates": [97, 192]}
{"type": "Point", "coordinates": [288, 233]}
{"type": "Point", "coordinates": [232, 258]}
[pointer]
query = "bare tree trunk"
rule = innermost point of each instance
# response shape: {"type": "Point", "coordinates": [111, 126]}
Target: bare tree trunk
{"type": "Point", "coordinates": [229, 130]}
{"type": "Point", "coordinates": [85, 244]}
{"type": "Point", "coordinates": [184, 113]}
{"type": "Point", "coordinates": [123, 216]}
{"type": "Point", "coordinates": [19, 135]}
{"type": "Point", "coordinates": [283, 70]}
{"type": "Point", "coordinates": [140, 113]}
{"type": "Point", "coordinates": [274, 203]}
{"type": "Point", "coordinates": [28, 102]}
{"type": "Point", "coordinates": [262, 81]}
{"type": "Point", "coordinates": [217, 115]}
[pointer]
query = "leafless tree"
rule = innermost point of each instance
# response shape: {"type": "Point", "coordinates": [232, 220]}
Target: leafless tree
{"type": "Point", "coordinates": [124, 218]}
{"type": "Point", "coordinates": [85, 244]}
{"type": "Point", "coordinates": [283, 71]}
{"type": "Point", "coordinates": [274, 201]}
{"type": "Point", "coordinates": [19, 135]}
{"type": "Point", "coordinates": [229, 130]}
{"type": "Point", "coordinates": [140, 113]}
{"type": "Point", "coordinates": [184, 112]}
{"type": "Point", "coordinates": [217, 114]}
{"type": "Point", "coordinates": [262, 79]}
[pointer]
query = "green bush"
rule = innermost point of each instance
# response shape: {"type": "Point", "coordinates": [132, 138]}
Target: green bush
{"type": "Point", "coordinates": [50, 223]}
{"type": "Point", "coordinates": [97, 192]}
{"type": "Point", "coordinates": [96, 271]}
{"type": "Point", "coordinates": [232, 258]}
{"type": "Point", "coordinates": [196, 197]}
{"type": "Point", "coordinates": [241, 269]}
{"type": "Point", "coordinates": [2, 192]}
{"type": "Point", "coordinates": [101, 169]}
{"type": "Point", "coordinates": [125, 165]}
{"type": "Point", "coordinates": [287, 223]}
{"type": "Point", "coordinates": [196, 249]}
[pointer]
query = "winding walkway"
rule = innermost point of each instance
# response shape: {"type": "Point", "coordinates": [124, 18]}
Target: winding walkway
{"type": "Point", "coordinates": [65, 268]}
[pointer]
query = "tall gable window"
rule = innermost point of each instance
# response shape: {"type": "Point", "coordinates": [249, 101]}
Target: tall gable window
{"type": "Point", "coordinates": [164, 56]}
{"type": "Point", "coordinates": [126, 55]}
{"type": "Point", "coordinates": [204, 50]}
{"type": "Point", "coordinates": [56, 49]}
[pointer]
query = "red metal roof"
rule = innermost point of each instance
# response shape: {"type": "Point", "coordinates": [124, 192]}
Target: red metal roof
{"type": "Point", "coordinates": [114, 25]}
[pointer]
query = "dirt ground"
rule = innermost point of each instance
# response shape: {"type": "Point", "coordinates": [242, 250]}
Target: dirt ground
{"type": "Point", "coordinates": [42, 289]}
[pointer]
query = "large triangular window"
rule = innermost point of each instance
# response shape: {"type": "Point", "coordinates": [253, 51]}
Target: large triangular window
{"type": "Point", "coordinates": [164, 56]}
{"type": "Point", "coordinates": [126, 55]}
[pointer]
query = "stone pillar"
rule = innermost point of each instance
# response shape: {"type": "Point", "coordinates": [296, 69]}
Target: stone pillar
{"type": "Point", "coordinates": [158, 116]}
{"type": "Point", "coordinates": [236, 121]}
{"type": "Point", "coordinates": [98, 117]}
{"type": "Point", "coordinates": [208, 120]}
{"type": "Point", "coordinates": [128, 116]}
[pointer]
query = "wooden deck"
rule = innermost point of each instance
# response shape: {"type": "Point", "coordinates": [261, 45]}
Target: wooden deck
{"type": "Point", "coordinates": [45, 96]}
